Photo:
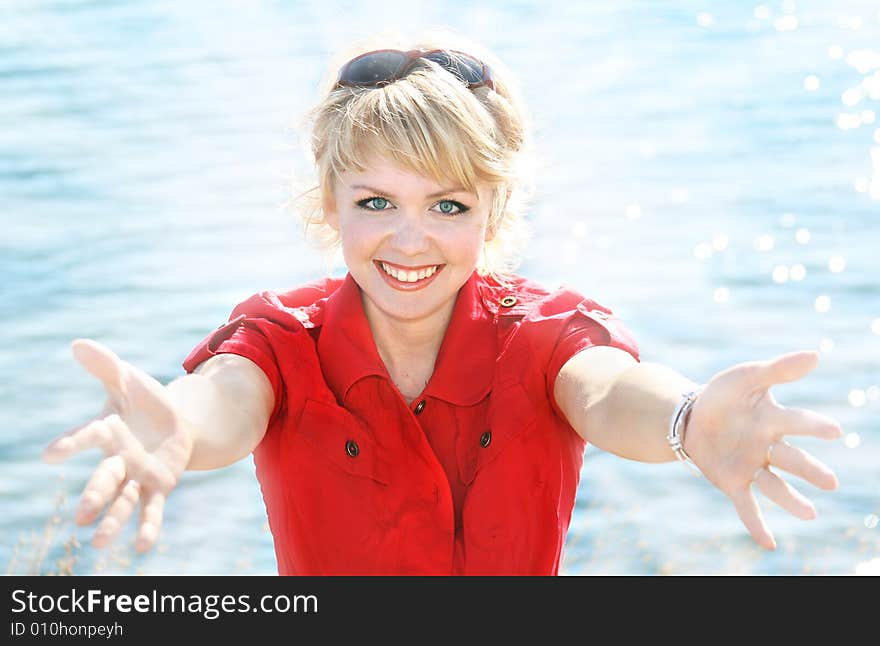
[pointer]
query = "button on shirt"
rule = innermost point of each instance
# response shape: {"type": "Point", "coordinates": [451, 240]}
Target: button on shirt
{"type": "Point", "coordinates": [477, 475]}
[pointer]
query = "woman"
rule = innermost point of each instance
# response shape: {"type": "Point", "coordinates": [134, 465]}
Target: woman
{"type": "Point", "coordinates": [428, 413]}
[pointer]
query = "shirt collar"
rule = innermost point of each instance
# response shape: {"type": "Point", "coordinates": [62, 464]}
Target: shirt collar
{"type": "Point", "coordinates": [465, 364]}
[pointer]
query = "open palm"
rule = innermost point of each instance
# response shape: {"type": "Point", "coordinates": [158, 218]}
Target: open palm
{"type": "Point", "coordinates": [146, 446]}
{"type": "Point", "coordinates": [736, 434]}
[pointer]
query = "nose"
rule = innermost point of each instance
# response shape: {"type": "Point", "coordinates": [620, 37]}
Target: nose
{"type": "Point", "coordinates": [410, 236]}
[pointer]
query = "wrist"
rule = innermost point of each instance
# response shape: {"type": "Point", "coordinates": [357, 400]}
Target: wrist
{"type": "Point", "coordinates": [678, 426]}
{"type": "Point", "coordinates": [190, 397]}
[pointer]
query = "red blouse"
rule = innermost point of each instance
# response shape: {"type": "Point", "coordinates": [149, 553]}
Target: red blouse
{"type": "Point", "coordinates": [478, 475]}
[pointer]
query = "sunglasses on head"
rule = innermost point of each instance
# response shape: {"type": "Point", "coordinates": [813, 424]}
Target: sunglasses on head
{"type": "Point", "coordinates": [384, 66]}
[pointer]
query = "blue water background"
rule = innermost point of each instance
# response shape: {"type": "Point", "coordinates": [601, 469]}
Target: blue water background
{"type": "Point", "coordinates": [685, 158]}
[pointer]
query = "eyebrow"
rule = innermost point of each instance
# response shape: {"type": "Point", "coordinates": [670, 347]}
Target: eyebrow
{"type": "Point", "coordinates": [454, 189]}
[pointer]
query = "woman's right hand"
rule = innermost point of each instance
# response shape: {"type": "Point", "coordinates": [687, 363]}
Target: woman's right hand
{"type": "Point", "coordinates": [146, 444]}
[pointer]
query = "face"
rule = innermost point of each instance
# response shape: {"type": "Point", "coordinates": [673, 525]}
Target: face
{"type": "Point", "coordinates": [409, 242]}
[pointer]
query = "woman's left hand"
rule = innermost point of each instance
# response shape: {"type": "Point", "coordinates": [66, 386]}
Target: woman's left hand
{"type": "Point", "coordinates": [735, 435]}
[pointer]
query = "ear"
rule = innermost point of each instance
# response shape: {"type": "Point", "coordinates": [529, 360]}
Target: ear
{"type": "Point", "coordinates": [492, 229]}
{"type": "Point", "coordinates": [330, 211]}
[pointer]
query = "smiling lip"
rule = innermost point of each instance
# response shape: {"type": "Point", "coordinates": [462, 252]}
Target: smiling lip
{"type": "Point", "coordinates": [406, 285]}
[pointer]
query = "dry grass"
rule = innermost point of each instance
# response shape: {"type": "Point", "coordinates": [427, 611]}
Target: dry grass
{"type": "Point", "coordinates": [56, 550]}
{"type": "Point", "coordinates": [31, 552]}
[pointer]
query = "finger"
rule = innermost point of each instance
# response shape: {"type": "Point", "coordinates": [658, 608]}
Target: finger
{"type": "Point", "coordinates": [784, 495]}
{"type": "Point", "coordinates": [102, 363]}
{"type": "Point", "coordinates": [94, 434]}
{"type": "Point", "coordinates": [118, 514]}
{"type": "Point", "coordinates": [784, 368]}
{"type": "Point", "coordinates": [750, 515]}
{"type": "Point", "coordinates": [800, 463]}
{"type": "Point", "coordinates": [151, 520]}
{"type": "Point", "coordinates": [802, 421]}
{"type": "Point", "coordinates": [101, 488]}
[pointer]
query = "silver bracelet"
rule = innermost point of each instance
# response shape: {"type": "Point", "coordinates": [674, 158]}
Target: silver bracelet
{"type": "Point", "coordinates": [678, 424]}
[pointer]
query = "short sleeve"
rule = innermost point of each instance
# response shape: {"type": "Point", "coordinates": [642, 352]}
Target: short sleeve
{"type": "Point", "coordinates": [260, 329]}
{"type": "Point", "coordinates": [591, 324]}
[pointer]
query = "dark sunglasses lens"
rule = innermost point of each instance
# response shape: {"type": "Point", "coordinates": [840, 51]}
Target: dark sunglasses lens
{"type": "Point", "coordinates": [374, 68]}
{"type": "Point", "coordinates": [466, 68]}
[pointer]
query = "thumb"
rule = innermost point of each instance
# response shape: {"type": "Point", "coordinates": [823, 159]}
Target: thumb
{"type": "Point", "coordinates": [100, 362]}
{"type": "Point", "coordinates": [786, 367]}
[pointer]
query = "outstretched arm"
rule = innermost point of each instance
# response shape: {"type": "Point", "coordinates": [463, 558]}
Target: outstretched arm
{"type": "Point", "coordinates": [150, 434]}
{"type": "Point", "coordinates": [734, 434]}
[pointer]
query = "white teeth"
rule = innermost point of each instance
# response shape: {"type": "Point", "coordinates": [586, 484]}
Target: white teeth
{"type": "Point", "coordinates": [409, 276]}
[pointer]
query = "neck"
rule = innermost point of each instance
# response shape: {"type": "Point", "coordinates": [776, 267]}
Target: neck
{"type": "Point", "coordinates": [408, 348]}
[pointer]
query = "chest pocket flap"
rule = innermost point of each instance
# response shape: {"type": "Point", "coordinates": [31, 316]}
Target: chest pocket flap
{"type": "Point", "coordinates": [339, 437]}
{"type": "Point", "coordinates": [511, 412]}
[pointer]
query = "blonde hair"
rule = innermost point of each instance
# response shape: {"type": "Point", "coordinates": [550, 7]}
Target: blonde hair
{"type": "Point", "coordinates": [430, 123]}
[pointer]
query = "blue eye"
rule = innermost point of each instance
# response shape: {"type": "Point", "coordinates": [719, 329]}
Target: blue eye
{"type": "Point", "coordinates": [446, 207]}
{"type": "Point", "coordinates": [379, 204]}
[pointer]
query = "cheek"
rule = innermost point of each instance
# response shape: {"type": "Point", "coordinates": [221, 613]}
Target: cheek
{"type": "Point", "coordinates": [465, 243]}
{"type": "Point", "coordinates": [359, 235]}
